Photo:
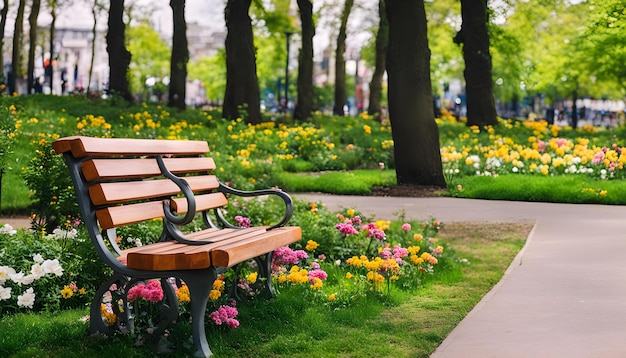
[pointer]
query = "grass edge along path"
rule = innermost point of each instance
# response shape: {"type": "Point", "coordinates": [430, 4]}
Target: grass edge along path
{"type": "Point", "coordinates": [412, 327]}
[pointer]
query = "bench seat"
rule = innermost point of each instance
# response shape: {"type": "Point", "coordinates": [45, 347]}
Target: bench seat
{"type": "Point", "coordinates": [229, 247]}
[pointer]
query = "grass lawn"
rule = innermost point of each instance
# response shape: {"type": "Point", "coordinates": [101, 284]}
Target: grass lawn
{"type": "Point", "coordinates": [411, 326]}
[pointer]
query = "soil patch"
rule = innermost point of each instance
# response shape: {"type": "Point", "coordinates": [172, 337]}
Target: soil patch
{"type": "Point", "coordinates": [407, 190]}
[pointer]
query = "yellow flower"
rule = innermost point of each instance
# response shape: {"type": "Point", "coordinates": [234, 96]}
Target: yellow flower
{"type": "Point", "coordinates": [317, 283]}
{"type": "Point", "coordinates": [82, 291]}
{"type": "Point", "coordinates": [350, 213]}
{"type": "Point", "coordinates": [418, 237]}
{"type": "Point", "coordinates": [349, 275]}
{"type": "Point", "coordinates": [218, 285]}
{"type": "Point", "coordinates": [66, 292]}
{"type": "Point", "coordinates": [311, 245]}
{"type": "Point", "coordinates": [214, 295]}
{"type": "Point", "coordinates": [251, 278]}
{"type": "Point", "coordinates": [183, 294]}
{"type": "Point", "coordinates": [332, 297]}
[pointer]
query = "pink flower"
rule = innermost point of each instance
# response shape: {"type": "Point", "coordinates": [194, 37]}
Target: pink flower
{"type": "Point", "coordinates": [286, 256]}
{"type": "Point", "coordinates": [399, 252]}
{"type": "Point", "coordinates": [321, 257]}
{"type": "Point", "coordinates": [317, 273]}
{"type": "Point", "coordinates": [376, 234]}
{"type": "Point", "coordinates": [135, 292]}
{"type": "Point", "coordinates": [385, 253]}
{"type": "Point", "coordinates": [406, 227]}
{"type": "Point", "coordinates": [598, 158]}
{"type": "Point", "coordinates": [242, 221]}
{"type": "Point", "coordinates": [356, 220]}
{"type": "Point", "coordinates": [346, 229]}
{"type": "Point", "coordinates": [315, 265]}
{"type": "Point", "coordinates": [225, 315]}
{"type": "Point", "coordinates": [150, 292]}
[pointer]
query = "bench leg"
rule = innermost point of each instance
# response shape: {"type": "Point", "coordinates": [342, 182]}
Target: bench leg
{"type": "Point", "coordinates": [265, 270]}
{"type": "Point", "coordinates": [123, 322]}
{"type": "Point", "coordinates": [199, 288]}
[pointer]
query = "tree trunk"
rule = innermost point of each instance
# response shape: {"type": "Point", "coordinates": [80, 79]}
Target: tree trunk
{"type": "Point", "coordinates": [94, 34]}
{"type": "Point", "coordinates": [180, 57]}
{"type": "Point", "coordinates": [340, 61]}
{"type": "Point", "coordinates": [415, 133]}
{"type": "Point", "coordinates": [304, 105]}
{"type": "Point", "coordinates": [242, 85]}
{"type": "Point", "coordinates": [53, 14]}
{"type": "Point", "coordinates": [16, 60]}
{"type": "Point", "coordinates": [32, 40]}
{"type": "Point", "coordinates": [481, 106]}
{"type": "Point", "coordinates": [119, 57]}
{"type": "Point", "coordinates": [376, 85]}
{"type": "Point", "coordinates": [3, 24]}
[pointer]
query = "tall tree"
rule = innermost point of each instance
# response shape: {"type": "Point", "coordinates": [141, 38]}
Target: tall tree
{"type": "Point", "coordinates": [180, 57]}
{"type": "Point", "coordinates": [304, 105]}
{"type": "Point", "coordinates": [16, 61]}
{"type": "Point", "coordinates": [340, 61]}
{"type": "Point", "coordinates": [376, 84]}
{"type": "Point", "coordinates": [242, 86]}
{"type": "Point", "coordinates": [474, 37]}
{"type": "Point", "coordinates": [96, 9]}
{"type": "Point", "coordinates": [415, 133]}
{"type": "Point", "coordinates": [32, 40]}
{"type": "Point", "coordinates": [119, 57]}
{"type": "Point", "coordinates": [3, 24]}
{"type": "Point", "coordinates": [52, 4]}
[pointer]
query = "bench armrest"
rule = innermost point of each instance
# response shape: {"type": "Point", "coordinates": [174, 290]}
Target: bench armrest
{"type": "Point", "coordinates": [185, 189]}
{"type": "Point", "coordinates": [286, 199]}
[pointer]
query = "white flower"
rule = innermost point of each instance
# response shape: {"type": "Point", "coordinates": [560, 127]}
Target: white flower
{"type": "Point", "coordinates": [38, 258]}
{"type": "Point", "coordinates": [52, 266]}
{"type": "Point", "coordinates": [5, 293]}
{"type": "Point", "coordinates": [8, 229]}
{"type": "Point", "coordinates": [5, 273]}
{"type": "Point", "coordinates": [59, 233]}
{"type": "Point", "coordinates": [37, 271]}
{"type": "Point", "coordinates": [26, 299]}
{"type": "Point", "coordinates": [515, 169]}
{"type": "Point", "coordinates": [21, 279]}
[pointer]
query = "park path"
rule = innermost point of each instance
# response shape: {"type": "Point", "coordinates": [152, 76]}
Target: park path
{"type": "Point", "coordinates": [564, 295]}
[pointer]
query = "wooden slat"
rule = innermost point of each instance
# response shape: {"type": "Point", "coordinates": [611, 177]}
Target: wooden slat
{"type": "Point", "coordinates": [203, 202]}
{"type": "Point", "coordinates": [109, 169]}
{"type": "Point", "coordinates": [107, 147]}
{"type": "Point", "coordinates": [171, 255]}
{"type": "Point", "coordinates": [115, 216]}
{"type": "Point", "coordinates": [112, 193]}
{"type": "Point", "coordinates": [230, 235]}
{"type": "Point", "coordinates": [234, 253]}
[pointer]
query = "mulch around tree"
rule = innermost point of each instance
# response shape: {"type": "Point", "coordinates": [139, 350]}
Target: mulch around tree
{"type": "Point", "coordinates": [407, 190]}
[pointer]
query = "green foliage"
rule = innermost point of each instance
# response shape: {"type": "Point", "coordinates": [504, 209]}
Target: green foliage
{"type": "Point", "coordinates": [212, 72]}
{"type": "Point", "coordinates": [150, 56]}
{"type": "Point", "coordinates": [51, 188]}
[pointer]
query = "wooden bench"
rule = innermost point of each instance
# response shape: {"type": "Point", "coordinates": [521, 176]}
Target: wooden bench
{"type": "Point", "coordinates": [126, 181]}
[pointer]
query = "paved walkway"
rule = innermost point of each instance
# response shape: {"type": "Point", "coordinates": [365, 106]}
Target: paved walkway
{"type": "Point", "coordinates": [564, 295]}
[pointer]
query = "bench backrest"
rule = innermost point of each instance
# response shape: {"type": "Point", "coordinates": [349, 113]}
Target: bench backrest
{"type": "Point", "coordinates": [118, 181]}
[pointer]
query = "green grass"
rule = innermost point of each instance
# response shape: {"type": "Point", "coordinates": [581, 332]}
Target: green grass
{"type": "Point", "coordinates": [409, 324]}
{"type": "Point", "coordinates": [558, 189]}
{"type": "Point", "coordinates": [357, 182]}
